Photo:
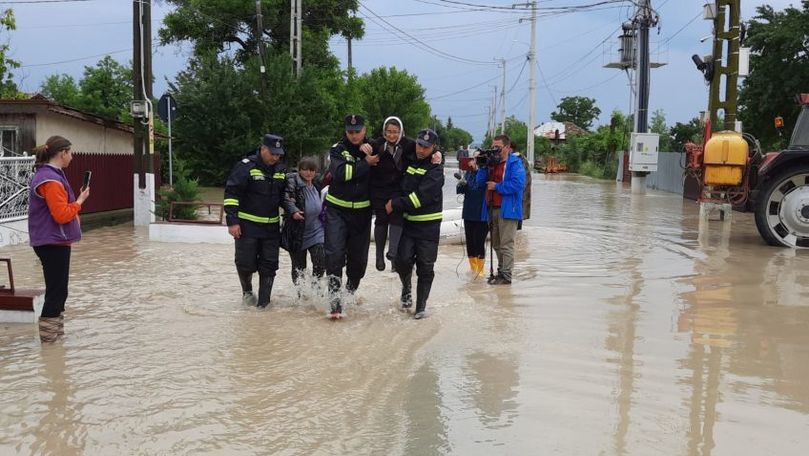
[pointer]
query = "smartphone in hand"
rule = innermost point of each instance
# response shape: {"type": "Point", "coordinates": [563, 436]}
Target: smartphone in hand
{"type": "Point", "coordinates": [87, 175]}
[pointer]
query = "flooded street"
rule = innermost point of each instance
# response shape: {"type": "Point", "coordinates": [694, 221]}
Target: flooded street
{"type": "Point", "coordinates": [627, 330]}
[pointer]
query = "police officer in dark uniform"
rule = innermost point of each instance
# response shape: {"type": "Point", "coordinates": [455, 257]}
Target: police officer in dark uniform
{"type": "Point", "coordinates": [348, 211]}
{"type": "Point", "coordinates": [253, 194]}
{"type": "Point", "coordinates": [421, 206]}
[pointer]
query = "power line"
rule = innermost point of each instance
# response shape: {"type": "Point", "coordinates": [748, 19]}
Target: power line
{"type": "Point", "coordinates": [422, 45]}
{"type": "Point", "coordinates": [463, 90]}
{"type": "Point", "coordinates": [33, 2]}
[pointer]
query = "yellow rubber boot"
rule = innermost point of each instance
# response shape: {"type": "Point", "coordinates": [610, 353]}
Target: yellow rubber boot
{"type": "Point", "coordinates": [472, 264]}
{"type": "Point", "coordinates": [479, 265]}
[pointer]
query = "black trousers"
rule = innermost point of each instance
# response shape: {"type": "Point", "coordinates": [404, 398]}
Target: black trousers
{"type": "Point", "coordinates": [257, 254]}
{"type": "Point", "coordinates": [55, 261]}
{"type": "Point", "coordinates": [476, 233]}
{"type": "Point", "coordinates": [423, 254]}
{"type": "Point", "coordinates": [348, 236]}
{"type": "Point", "coordinates": [318, 257]}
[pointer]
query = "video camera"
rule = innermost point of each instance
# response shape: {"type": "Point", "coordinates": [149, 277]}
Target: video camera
{"type": "Point", "coordinates": [488, 158]}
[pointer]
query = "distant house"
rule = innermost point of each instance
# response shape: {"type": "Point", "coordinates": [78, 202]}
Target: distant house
{"type": "Point", "coordinates": [549, 130]}
{"type": "Point", "coordinates": [104, 146]}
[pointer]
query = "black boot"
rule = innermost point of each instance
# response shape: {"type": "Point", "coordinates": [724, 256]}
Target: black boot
{"type": "Point", "coordinates": [264, 289]}
{"type": "Point", "coordinates": [393, 245]}
{"type": "Point", "coordinates": [246, 280]}
{"type": "Point", "coordinates": [422, 293]}
{"type": "Point", "coordinates": [336, 311]}
{"type": "Point", "coordinates": [380, 237]}
{"type": "Point", "coordinates": [407, 293]}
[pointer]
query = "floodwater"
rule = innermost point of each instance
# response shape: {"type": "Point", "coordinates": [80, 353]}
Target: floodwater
{"type": "Point", "coordinates": [629, 329]}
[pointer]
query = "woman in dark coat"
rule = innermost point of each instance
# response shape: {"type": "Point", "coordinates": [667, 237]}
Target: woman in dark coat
{"type": "Point", "coordinates": [303, 229]}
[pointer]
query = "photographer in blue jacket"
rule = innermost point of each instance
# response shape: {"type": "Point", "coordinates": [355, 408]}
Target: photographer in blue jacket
{"type": "Point", "coordinates": [503, 175]}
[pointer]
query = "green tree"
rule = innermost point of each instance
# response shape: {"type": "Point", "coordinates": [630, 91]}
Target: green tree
{"type": "Point", "coordinates": [682, 133]}
{"type": "Point", "coordinates": [390, 92]}
{"type": "Point", "coordinates": [222, 26]}
{"type": "Point", "coordinates": [106, 89]}
{"type": "Point", "coordinates": [658, 125]}
{"type": "Point", "coordinates": [582, 111]}
{"type": "Point", "coordinates": [62, 89]}
{"type": "Point", "coordinates": [224, 115]}
{"type": "Point", "coordinates": [8, 88]}
{"type": "Point", "coordinates": [779, 69]}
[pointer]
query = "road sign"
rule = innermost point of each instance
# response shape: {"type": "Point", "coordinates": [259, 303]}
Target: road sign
{"type": "Point", "coordinates": [163, 107]}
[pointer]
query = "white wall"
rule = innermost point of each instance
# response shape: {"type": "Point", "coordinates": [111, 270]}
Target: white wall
{"type": "Point", "coordinates": [85, 136]}
{"type": "Point", "coordinates": [14, 233]}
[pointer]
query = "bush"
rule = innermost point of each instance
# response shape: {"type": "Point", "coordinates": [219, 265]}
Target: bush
{"type": "Point", "coordinates": [185, 190]}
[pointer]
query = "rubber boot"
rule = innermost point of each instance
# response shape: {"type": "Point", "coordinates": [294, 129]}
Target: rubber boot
{"type": "Point", "coordinates": [380, 237]}
{"type": "Point", "coordinates": [48, 329]}
{"type": "Point", "coordinates": [480, 263]}
{"type": "Point", "coordinates": [406, 299]}
{"type": "Point", "coordinates": [60, 330]}
{"type": "Point", "coordinates": [264, 289]}
{"type": "Point", "coordinates": [473, 264]}
{"type": "Point", "coordinates": [393, 245]}
{"type": "Point", "coordinates": [422, 293]}
{"type": "Point", "coordinates": [336, 308]}
{"type": "Point", "coordinates": [246, 280]}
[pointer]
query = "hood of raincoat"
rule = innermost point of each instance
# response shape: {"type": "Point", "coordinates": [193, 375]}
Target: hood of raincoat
{"type": "Point", "coordinates": [401, 128]}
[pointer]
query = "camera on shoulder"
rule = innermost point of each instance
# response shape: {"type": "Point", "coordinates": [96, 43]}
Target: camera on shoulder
{"type": "Point", "coordinates": [488, 158]}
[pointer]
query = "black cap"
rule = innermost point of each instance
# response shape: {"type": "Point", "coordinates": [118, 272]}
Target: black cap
{"type": "Point", "coordinates": [427, 138]}
{"type": "Point", "coordinates": [275, 143]}
{"type": "Point", "coordinates": [354, 122]}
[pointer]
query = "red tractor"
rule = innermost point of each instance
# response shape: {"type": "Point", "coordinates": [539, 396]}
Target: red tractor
{"type": "Point", "coordinates": [775, 186]}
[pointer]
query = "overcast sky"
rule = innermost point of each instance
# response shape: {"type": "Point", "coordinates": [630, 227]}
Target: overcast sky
{"type": "Point", "coordinates": [63, 37]}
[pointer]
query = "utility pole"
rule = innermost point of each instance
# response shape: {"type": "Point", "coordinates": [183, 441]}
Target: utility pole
{"type": "Point", "coordinates": [532, 86]}
{"type": "Point", "coordinates": [260, 46]}
{"type": "Point", "coordinates": [532, 80]}
{"type": "Point", "coordinates": [645, 20]}
{"type": "Point", "coordinates": [143, 117]}
{"type": "Point", "coordinates": [725, 39]}
{"type": "Point", "coordinates": [295, 35]}
{"type": "Point", "coordinates": [350, 64]}
{"type": "Point", "coordinates": [503, 99]}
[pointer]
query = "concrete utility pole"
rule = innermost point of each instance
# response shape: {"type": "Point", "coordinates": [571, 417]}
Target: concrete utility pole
{"type": "Point", "coordinates": [143, 124]}
{"type": "Point", "coordinates": [731, 69]}
{"type": "Point", "coordinates": [503, 99]}
{"type": "Point", "coordinates": [532, 80]}
{"type": "Point", "coordinates": [295, 35]}
{"type": "Point", "coordinates": [260, 46]}
{"type": "Point", "coordinates": [644, 19]}
{"type": "Point", "coordinates": [532, 86]}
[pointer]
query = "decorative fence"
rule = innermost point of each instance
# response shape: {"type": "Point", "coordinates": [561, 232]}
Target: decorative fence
{"type": "Point", "coordinates": [15, 175]}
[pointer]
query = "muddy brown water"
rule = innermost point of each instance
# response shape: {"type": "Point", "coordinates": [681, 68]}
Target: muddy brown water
{"type": "Point", "coordinates": [629, 329]}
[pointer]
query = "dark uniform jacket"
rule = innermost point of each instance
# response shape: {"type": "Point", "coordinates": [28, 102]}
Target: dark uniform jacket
{"type": "Point", "coordinates": [386, 176]}
{"type": "Point", "coordinates": [350, 175]}
{"type": "Point", "coordinates": [253, 194]}
{"type": "Point", "coordinates": [422, 199]}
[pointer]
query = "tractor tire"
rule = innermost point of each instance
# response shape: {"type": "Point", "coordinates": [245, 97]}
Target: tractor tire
{"type": "Point", "coordinates": [782, 209]}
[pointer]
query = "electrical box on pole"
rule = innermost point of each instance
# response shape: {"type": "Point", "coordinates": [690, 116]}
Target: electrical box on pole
{"type": "Point", "coordinates": [644, 148]}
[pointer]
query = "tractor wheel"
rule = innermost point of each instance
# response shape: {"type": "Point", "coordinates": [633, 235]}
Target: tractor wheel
{"type": "Point", "coordinates": [782, 209]}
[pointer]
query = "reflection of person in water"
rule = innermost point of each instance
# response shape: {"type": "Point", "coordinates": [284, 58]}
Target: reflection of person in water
{"type": "Point", "coordinates": [427, 432]}
{"type": "Point", "coordinates": [57, 433]}
{"type": "Point", "coordinates": [495, 389]}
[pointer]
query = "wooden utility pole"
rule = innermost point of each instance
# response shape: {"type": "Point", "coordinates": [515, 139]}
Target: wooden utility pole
{"type": "Point", "coordinates": [143, 116]}
{"type": "Point", "coordinates": [142, 88]}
